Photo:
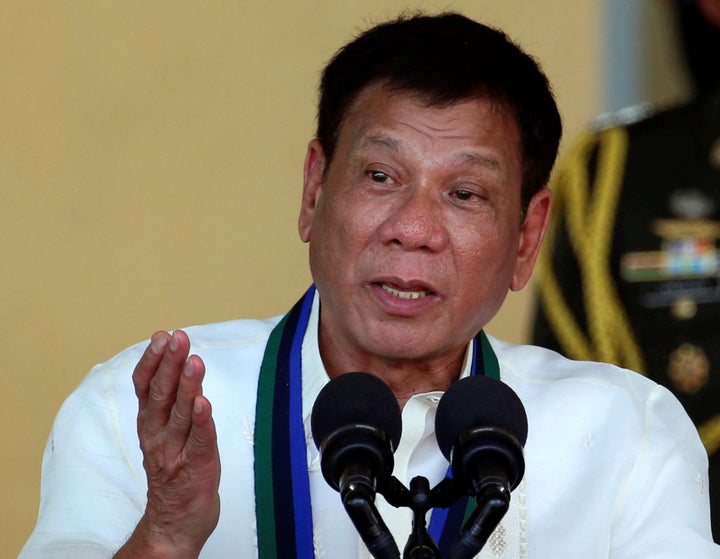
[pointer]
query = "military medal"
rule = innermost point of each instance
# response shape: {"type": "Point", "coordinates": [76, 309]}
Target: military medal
{"type": "Point", "coordinates": [688, 368]}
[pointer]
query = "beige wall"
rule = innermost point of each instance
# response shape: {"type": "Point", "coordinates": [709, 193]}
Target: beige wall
{"type": "Point", "coordinates": [150, 169]}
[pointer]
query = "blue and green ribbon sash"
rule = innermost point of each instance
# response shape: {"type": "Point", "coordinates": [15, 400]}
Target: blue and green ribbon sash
{"type": "Point", "coordinates": [282, 487]}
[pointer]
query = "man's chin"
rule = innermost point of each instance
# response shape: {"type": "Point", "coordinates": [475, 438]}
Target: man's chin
{"type": "Point", "coordinates": [394, 346]}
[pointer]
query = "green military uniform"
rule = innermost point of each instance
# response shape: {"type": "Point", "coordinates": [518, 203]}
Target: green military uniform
{"type": "Point", "coordinates": [630, 273]}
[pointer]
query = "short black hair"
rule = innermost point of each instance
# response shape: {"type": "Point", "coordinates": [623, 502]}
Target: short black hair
{"type": "Point", "coordinates": [446, 58]}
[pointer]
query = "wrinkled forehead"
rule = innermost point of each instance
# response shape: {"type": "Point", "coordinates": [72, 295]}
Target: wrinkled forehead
{"type": "Point", "coordinates": [429, 99]}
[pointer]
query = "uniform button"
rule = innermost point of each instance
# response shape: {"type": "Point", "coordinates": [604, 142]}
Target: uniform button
{"type": "Point", "coordinates": [688, 368]}
{"type": "Point", "coordinates": [684, 308]}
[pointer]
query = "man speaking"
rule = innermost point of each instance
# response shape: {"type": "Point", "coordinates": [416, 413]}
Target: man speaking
{"type": "Point", "coordinates": [423, 203]}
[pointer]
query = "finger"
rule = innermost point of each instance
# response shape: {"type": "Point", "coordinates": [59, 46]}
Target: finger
{"type": "Point", "coordinates": [164, 383]}
{"type": "Point", "coordinates": [201, 448]}
{"type": "Point", "coordinates": [147, 366]}
{"type": "Point", "coordinates": [180, 420]}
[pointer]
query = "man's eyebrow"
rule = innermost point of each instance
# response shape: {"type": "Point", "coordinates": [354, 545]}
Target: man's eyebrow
{"type": "Point", "coordinates": [466, 157]}
{"type": "Point", "coordinates": [380, 140]}
{"type": "Point", "coordinates": [478, 159]}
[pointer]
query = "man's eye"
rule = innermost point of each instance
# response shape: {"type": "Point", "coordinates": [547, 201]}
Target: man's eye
{"type": "Point", "coordinates": [463, 195]}
{"type": "Point", "coordinates": [379, 176]}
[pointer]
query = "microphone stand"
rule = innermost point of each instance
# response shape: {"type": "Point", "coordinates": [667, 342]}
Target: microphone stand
{"type": "Point", "coordinates": [420, 544]}
{"type": "Point", "coordinates": [493, 501]}
{"type": "Point", "coordinates": [420, 499]}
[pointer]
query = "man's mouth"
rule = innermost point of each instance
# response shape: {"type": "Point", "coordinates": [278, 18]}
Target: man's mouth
{"type": "Point", "coordinates": [405, 293]}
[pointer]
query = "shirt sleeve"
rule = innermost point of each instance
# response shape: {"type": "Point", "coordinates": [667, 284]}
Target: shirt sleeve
{"type": "Point", "coordinates": [663, 511]}
{"type": "Point", "coordinates": [93, 488]}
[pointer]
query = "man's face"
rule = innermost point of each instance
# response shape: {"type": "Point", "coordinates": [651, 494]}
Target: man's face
{"type": "Point", "coordinates": [415, 229]}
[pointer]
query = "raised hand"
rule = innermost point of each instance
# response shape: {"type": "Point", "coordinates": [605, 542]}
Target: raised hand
{"type": "Point", "coordinates": [179, 445]}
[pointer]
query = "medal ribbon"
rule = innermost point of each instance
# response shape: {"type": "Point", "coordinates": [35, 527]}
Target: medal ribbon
{"type": "Point", "coordinates": [282, 487]}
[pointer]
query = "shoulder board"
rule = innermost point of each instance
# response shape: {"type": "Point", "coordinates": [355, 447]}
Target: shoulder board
{"type": "Point", "coordinates": [623, 117]}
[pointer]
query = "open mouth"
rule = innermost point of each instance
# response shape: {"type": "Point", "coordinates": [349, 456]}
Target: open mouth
{"type": "Point", "coordinates": [406, 293]}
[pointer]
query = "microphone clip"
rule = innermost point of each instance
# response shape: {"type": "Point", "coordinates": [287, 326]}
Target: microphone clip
{"type": "Point", "coordinates": [420, 499]}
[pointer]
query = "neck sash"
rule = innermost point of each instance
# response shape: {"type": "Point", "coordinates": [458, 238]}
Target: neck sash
{"type": "Point", "coordinates": [282, 488]}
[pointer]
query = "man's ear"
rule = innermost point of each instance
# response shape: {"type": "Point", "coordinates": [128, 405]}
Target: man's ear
{"type": "Point", "coordinates": [313, 176]}
{"type": "Point", "coordinates": [531, 236]}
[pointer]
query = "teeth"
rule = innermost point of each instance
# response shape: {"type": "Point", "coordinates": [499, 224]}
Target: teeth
{"type": "Point", "coordinates": [405, 294]}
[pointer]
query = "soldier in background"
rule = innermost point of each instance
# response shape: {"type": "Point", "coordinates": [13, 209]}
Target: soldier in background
{"type": "Point", "coordinates": [631, 268]}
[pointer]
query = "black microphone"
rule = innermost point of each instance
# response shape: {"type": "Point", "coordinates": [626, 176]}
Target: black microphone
{"type": "Point", "coordinates": [356, 425]}
{"type": "Point", "coordinates": [481, 428]}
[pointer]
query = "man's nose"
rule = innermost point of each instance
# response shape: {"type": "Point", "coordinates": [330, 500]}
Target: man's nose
{"type": "Point", "coordinates": [416, 221]}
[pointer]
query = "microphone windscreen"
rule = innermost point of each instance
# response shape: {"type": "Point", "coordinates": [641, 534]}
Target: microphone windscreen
{"type": "Point", "coordinates": [356, 398]}
{"type": "Point", "coordinates": [478, 401]}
